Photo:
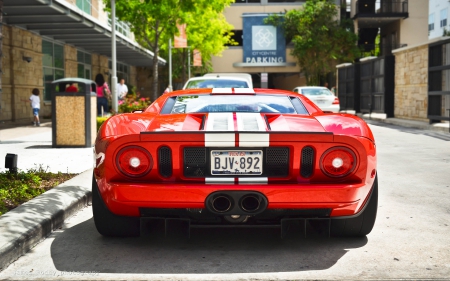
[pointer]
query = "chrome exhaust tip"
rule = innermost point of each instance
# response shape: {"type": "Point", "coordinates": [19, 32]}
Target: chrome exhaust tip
{"type": "Point", "coordinates": [250, 203]}
{"type": "Point", "coordinates": [221, 204]}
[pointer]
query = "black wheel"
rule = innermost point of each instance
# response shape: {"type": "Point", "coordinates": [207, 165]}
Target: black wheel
{"type": "Point", "coordinates": [109, 224]}
{"type": "Point", "coordinates": [360, 224]}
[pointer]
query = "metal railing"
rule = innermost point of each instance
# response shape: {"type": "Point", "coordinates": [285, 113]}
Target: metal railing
{"type": "Point", "coordinates": [87, 7]}
{"type": "Point", "coordinates": [381, 6]}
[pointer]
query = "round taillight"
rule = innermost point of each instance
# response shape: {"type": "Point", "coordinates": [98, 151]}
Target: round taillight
{"type": "Point", "coordinates": [338, 162]}
{"type": "Point", "coordinates": [134, 161]}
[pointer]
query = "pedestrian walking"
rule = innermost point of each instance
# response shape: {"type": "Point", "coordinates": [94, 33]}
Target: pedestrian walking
{"type": "Point", "coordinates": [35, 102]}
{"type": "Point", "coordinates": [122, 89]}
{"type": "Point", "coordinates": [103, 95]}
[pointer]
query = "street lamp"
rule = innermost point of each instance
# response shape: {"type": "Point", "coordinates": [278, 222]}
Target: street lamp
{"type": "Point", "coordinates": [113, 57]}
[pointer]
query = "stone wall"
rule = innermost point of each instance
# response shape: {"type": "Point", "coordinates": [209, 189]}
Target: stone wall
{"type": "Point", "coordinates": [411, 83]}
{"type": "Point", "coordinates": [20, 76]}
{"type": "Point", "coordinates": [100, 65]}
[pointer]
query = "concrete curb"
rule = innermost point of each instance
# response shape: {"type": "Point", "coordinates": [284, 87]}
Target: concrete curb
{"type": "Point", "coordinates": [439, 127]}
{"type": "Point", "coordinates": [24, 227]}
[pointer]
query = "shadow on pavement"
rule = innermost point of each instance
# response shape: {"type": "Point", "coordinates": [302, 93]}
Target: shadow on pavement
{"type": "Point", "coordinates": [82, 248]}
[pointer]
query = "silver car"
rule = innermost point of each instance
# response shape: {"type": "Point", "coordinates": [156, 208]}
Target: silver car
{"type": "Point", "coordinates": [321, 96]}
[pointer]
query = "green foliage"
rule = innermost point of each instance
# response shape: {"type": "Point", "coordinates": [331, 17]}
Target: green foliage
{"type": "Point", "coordinates": [100, 121]}
{"type": "Point", "coordinates": [154, 22]}
{"type": "Point", "coordinates": [133, 102]}
{"type": "Point", "coordinates": [16, 189]}
{"type": "Point", "coordinates": [320, 40]}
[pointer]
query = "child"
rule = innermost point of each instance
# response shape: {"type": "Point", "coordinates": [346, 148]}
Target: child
{"type": "Point", "coordinates": [36, 105]}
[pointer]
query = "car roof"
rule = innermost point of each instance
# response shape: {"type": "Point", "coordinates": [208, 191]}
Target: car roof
{"type": "Point", "coordinates": [217, 78]}
{"type": "Point", "coordinates": [311, 87]}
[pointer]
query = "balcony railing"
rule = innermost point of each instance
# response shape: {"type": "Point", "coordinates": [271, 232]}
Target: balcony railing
{"type": "Point", "coordinates": [87, 7]}
{"type": "Point", "coordinates": [382, 7]}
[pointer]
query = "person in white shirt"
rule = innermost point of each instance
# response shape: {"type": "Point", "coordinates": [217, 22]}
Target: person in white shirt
{"type": "Point", "coordinates": [122, 89]}
{"type": "Point", "coordinates": [35, 102]}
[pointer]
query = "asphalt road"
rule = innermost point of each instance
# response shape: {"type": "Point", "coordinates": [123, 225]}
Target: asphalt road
{"type": "Point", "coordinates": [410, 239]}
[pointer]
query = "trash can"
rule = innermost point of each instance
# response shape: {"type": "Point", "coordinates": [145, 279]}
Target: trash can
{"type": "Point", "coordinates": [74, 112]}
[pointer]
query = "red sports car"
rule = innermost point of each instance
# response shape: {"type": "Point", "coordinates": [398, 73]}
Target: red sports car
{"type": "Point", "coordinates": [235, 157]}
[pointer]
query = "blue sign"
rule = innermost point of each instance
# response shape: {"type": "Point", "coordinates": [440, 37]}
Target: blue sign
{"type": "Point", "coordinates": [263, 43]}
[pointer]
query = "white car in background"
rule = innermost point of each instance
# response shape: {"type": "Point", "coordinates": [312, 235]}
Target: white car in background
{"type": "Point", "coordinates": [220, 80]}
{"type": "Point", "coordinates": [321, 96]}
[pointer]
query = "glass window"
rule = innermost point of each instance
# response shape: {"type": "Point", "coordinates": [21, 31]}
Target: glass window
{"type": "Point", "coordinates": [84, 5]}
{"type": "Point", "coordinates": [84, 65]}
{"type": "Point", "coordinates": [444, 18]}
{"type": "Point", "coordinates": [238, 103]}
{"type": "Point", "coordinates": [122, 71]}
{"type": "Point", "coordinates": [431, 22]}
{"type": "Point", "coordinates": [53, 65]}
{"type": "Point", "coordinates": [316, 92]}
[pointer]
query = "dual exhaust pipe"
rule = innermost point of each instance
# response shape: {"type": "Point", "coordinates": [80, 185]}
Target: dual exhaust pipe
{"type": "Point", "coordinates": [236, 202]}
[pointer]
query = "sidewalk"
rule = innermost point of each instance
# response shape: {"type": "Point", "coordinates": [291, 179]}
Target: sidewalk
{"type": "Point", "coordinates": [24, 227]}
{"type": "Point", "coordinates": [33, 146]}
{"type": "Point", "coordinates": [381, 118]}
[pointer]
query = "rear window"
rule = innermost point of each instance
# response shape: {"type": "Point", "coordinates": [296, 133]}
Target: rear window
{"type": "Point", "coordinates": [317, 92]}
{"type": "Point", "coordinates": [216, 83]}
{"type": "Point", "coordinates": [232, 103]}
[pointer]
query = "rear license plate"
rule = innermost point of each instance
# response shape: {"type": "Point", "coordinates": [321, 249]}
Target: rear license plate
{"type": "Point", "coordinates": [236, 162]}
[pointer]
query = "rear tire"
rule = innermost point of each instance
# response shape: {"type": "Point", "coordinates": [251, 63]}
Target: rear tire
{"type": "Point", "coordinates": [363, 222]}
{"type": "Point", "coordinates": [109, 224]}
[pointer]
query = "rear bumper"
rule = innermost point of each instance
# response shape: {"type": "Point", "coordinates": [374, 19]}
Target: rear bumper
{"type": "Point", "coordinates": [127, 199]}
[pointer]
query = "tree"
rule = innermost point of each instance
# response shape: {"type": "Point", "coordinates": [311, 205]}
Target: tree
{"type": "Point", "coordinates": [208, 32]}
{"type": "Point", "coordinates": [154, 22]}
{"type": "Point", "coordinates": [1, 50]}
{"type": "Point", "coordinates": [320, 40]}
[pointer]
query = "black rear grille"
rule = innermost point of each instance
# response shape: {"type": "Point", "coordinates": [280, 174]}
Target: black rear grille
{"type": "Point", "coordinates": [277, 162]}
{"type": "Point", "coordinates": [195, 162]}
{"type": "Point", "coordinates": [307, 162]}
{"type": "Point", "coordinates": [165, 161]}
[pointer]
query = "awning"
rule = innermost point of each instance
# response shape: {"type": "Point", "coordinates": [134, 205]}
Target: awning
{"type": "Point", "coordinates": [61, 21]}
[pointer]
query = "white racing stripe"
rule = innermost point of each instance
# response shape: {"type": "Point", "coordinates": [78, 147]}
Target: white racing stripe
{"type": "Point", "coordinates": [222, 91]}
{"type": "Point", "coordinates": [250, 122]}
{"type": "Point", "coordinates": [223, 140]}
{"type": "Point", "coordinates": [222, 121]}
{"type": "Point", "coordinates": [254, 140]}
{"type": "Point", "coordinates": [219, 180]}
{"type": "Point", "coordinates": [253, 180]}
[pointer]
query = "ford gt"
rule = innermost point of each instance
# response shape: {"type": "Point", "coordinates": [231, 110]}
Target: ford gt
{"type": "Point", "coordinates": [235, 157]}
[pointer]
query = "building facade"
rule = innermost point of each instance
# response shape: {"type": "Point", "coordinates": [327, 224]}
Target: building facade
{"type": "Point", "coordinates": [43, 42]}
{"type": "Point", "coordinates": [262, 51]}
{"type": "Point", "coordinates": [438, 22]}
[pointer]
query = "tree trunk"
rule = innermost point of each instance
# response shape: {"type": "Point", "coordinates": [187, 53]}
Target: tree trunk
{"type": "Point", "coordinates": [1, 50]}
{"type": "Point", "coordinates": [155, 92]}
{"type": "Point", "coordinates": [183, 70]}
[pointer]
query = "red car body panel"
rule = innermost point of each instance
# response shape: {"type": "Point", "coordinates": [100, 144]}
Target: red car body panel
{"type": "Point", "coordinates": [150, 130]}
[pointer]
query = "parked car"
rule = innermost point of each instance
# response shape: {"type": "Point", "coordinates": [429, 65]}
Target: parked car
{"type": "Point", "coordinates": [235, 158]}
{"type": "Point", "coordinates": [321, 96]}
{"type": "Point", "coordinates": [246, 76]}
{"type": "Point", "coordinates": [220, 80]}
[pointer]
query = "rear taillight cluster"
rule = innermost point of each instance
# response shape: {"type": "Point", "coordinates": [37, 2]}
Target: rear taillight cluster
{"type": "Point", "coordinates": [336, 100]}
{"type": "Point", "coordinates": [134, 161]}
{"type": "Point", "coordinates": [338, 162]}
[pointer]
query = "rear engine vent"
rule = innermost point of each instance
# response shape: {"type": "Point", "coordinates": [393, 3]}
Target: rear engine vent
{"type": "Point", "coordinates": [195, 161]}
{"type": "Point", "coordinates": [307, 162]}
{"type": "Point", "coordinates": [165, 161]}
{"type": "Point", "coordinates": [277, 161]}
